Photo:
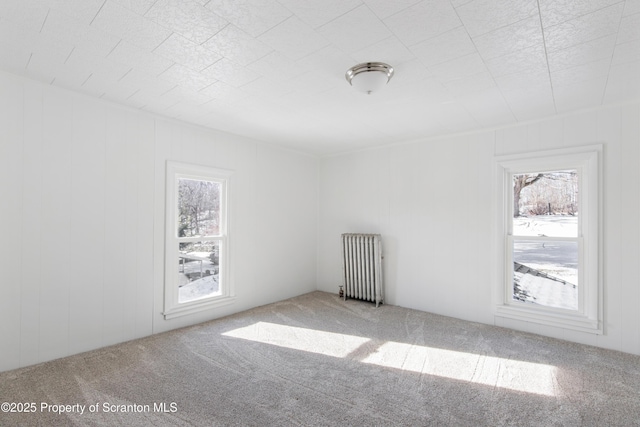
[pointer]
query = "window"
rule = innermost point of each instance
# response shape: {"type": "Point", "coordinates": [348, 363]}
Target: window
{"type": "Point", "coordinates": [548, 240]}
{"type": "Point", "coordinates": [197, 239]}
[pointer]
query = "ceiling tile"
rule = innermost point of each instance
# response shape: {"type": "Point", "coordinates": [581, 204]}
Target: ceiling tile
{"type": "Point", "coordinates": [253, 16]}
{"type": "Point", "coordinates": [316, 13]}
{"type": "Point", "coordinates": [138, 6]}
{"type": "Point", "coordinates": [445, 47]}
{"type": "Point", "coordinates": [138, 100]}
{"type": "Point", "coordinates": [187, 17]}
{"type": "Point", "coordinates": [230, 73]}
{"type": "Point", "coordinates": [483, 16]}
{"type": "Point", "coordinates": [65, 29]}
{"type": "Point", "coordinates": [531, 81]}
{"type": "Point", "coordinates": [264, 87]}
{"type": "Point", "coordinates": [422, 21]}
{"type": "Point", "coordinates": [330, 61]}
{"type": "Point", "coordinates": [458, 68]}
{"type": "Point", "coordinates": [14, 59]}
{"type": "Point", "coordinates": [469, 84]}
{"type": "Point", "coordinates": [82, 10]}
{"type": "Point", "coordinates": [457, 3]}
{"type": "Point", "coordinates": [580, 73]}
{"type": "Point", "coordinates": [629, 28]}
{"type": "Point", "coordinates": [554, 12]}
{"type": "Point", "coordinates": [526, 60]}
{"type": "Point", "coordinates": [530, 103]}
{"type": "Point", "coordinates": [631, 7]}
{"type": "Point", "coordinates": [124, 23]}
{"type": "Point", "coordinates": [183, 93]}
{"type": "Point", "coordinates": [510, 39]}
{"type": "Point", "coordinates": [581, 53]}
{"type": "Point", "coordinates": [140, 59]}
{"type": "Point", "coordinates": [185, 52]}
{"type": "Point", "coordinates": [414, 76]}
{"type": "Point", "coordinates": [389, 50]}
{"type": "Point", "coordinates": [277, 67]}
{"type": "Point", "coordinates": [385, 8]}
{"type": "Point", "coordinates": [308, 84]}
{"type": "Point", "coordinates": [96, 64]}
{"type": "Point", "coordinates": [623, 84]}
{"type": "Point", "coordinates": [355, 30]}
{"type": "Point", "coordinates": [150, 85]}
{"type": "Point", "coordinates": [223, 91]}
{"type": "Point", "coordinates": [108, 88]}
{"type": "Point", "coordinates": [186, 77]}
{"type": "Point", "coordinates": [453, 117]}
{"type": "Point", "coordinates": [598, 24]}
{"type": "Point", "coordinates": [626, 52]}
{"type": "Point", "coordinates": [294, 39]}
{"type": "Point", "coordinates": [579, 95]}
{"type": "Point", "coordinates": [488, 107]}
{"type": "Point", "coordinates": [236, 45]}
{"type": "Point", "coordinates": [43, 69]}
{"type": "Point", "coordinates": [30, 15]}
{"type": "Point", "coordinates": [13, 34]}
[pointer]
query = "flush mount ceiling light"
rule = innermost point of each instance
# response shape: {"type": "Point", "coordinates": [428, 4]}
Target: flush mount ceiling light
{"type": "Point", "coordinates": [369, 77]}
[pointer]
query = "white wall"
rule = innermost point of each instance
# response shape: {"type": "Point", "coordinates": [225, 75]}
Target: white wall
{"type": "Point", "coordinates": [82, 218]}
{"type": "Point", "coordinates": [432, 202]}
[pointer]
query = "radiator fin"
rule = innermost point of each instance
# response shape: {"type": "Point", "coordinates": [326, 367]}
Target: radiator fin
{"type": "Point", "coordinates": [362, 267]}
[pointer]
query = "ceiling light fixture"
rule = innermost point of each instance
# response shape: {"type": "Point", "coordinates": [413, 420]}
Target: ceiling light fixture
{"type": "Point", "coordinates": [369, 77]}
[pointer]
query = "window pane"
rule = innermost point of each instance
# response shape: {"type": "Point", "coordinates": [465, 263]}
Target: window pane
{"type": "Point", "coordinates": [546, 273]}
{"type": "Point", "coordinates": [198, 270]}
{"type": "Point", "coordinates": [198, 208]}
{"type": "Point", "coordinates": [546, 204]}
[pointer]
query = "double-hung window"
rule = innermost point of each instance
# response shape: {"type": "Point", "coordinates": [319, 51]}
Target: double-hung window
{"type": "Point", "coordinates": [548, 215]}
{"type": "Point", "coordinates": [197, 239]}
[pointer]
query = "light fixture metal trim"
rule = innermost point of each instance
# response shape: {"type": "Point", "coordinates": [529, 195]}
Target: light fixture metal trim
{"type": "Point", "coordinates": [366, 67]}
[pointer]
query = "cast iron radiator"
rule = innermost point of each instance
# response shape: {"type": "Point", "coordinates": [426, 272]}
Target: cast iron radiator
{"type": "Point", "coordinates": [362, 267]}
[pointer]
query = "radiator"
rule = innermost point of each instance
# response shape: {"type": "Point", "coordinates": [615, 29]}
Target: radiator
{"type": "Point", "coordinates": [362, 267]}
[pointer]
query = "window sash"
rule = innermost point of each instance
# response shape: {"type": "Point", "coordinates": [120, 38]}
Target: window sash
{"type": "Point", "coordinates": [508, 288]}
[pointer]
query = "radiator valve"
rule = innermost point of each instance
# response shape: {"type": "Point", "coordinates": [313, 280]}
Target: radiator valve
{"type": "Point", "coordinates": [341, 292]}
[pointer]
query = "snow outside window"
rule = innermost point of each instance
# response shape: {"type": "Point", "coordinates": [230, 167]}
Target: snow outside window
{"type": "Point", "coordinates": [196, 276]}
{"type": "Point", "coordinates": [548, 222]}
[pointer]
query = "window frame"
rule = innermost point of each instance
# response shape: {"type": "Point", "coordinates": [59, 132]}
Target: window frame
{"type": "Point", "coordinates": [174, 172]}
{"type": "Point", "coordinates": [587, 161]}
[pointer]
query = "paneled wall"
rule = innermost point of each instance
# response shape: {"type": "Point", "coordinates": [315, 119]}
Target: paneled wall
{"type": "Point", "coordinates": [432, 201]}
{"type": "Point", "coordinates": [82, 221]}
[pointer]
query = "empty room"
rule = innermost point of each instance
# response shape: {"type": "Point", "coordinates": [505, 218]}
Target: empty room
{"type": "Point", "coordinates": [305, 212]}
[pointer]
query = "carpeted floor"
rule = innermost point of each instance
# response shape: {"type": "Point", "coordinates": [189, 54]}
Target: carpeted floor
{"type": "Point", "coordinates": [316, 360]}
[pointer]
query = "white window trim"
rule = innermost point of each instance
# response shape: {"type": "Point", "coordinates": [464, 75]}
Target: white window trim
{"type": "Point", "coordinates": [172, 308]}
{"type": "Point", "coordinates": [588, 161]}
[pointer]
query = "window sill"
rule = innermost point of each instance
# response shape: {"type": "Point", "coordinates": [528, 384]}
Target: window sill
{"type": "Point", "coordinates": [198, 306]}
{"type": "Point", "coordinates": [576, 322]}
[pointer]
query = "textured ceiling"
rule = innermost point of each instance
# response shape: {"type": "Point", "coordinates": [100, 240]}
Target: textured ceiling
{"type": "Point", "coordinates": [274, 70]}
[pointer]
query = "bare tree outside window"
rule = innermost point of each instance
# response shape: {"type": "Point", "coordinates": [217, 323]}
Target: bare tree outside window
{"type": "Point", "coordinates": [198, 208]}
{"type": "Point", "coordinates": [554, 193]}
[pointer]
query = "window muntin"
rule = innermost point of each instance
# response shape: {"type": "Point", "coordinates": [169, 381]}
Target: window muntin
{"type": "Point", "coordinates": [197, 239]}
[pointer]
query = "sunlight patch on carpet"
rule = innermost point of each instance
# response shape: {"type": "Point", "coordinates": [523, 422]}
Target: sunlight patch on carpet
{"type": "Point", "coordinates": [517, 375]}
{"type": "Point", "coordinates": [319, 342]}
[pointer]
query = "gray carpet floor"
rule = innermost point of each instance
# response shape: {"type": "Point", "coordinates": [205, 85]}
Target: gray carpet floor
{"type": "Point", "coordinates": [316, 360]}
